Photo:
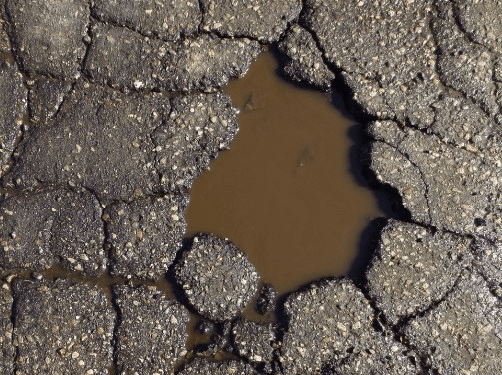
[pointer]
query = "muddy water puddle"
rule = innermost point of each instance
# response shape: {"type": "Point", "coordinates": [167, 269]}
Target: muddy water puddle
{"type": "Point", "coordinates": [284, 192]}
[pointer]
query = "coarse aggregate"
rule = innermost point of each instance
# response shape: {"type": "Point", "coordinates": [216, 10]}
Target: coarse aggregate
{"type": "Point", "coordinates": [202, 366]}
{"type": "Point", "coordinates": [144, 235]}
{"type": "Point", "coordinates": [254, 341]}
{"type": "Point", "coordinates": [152, 331]}
{"type": "Point", "coordinates": [216, 277]}
{"type": "Point", "coordinates": [305, 62]}
{"type": "Point", "coordinates": [264, 20]}
{"type": "Point", "coordinates": [61, 327]}
{"type": "Point", "coordinates": [52, 226]}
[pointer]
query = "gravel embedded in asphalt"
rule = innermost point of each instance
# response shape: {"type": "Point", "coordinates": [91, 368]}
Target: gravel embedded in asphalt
{"type": "Point", "coordinates": [216, 277]}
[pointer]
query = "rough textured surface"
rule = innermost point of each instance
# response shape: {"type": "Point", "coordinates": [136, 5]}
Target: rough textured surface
{"type": "Point", "coordinates": [384, 356]}
{"type": "Point", "coordinates": [264, 20]}
{"type": "Point", "coordinates": [253, 341]}
{"type": "Point", "coordinates": [488, 260]}
{"type": "Point", "coordinates": [461, 123]}
{"type": "Point", "coordinates": [7, 351]}
{"type": "Point", "coordinates": [267, 299]}
{"type": "Point", "coordinates": [138, 136]}
{"type": "Point", "coordinates": [152, 331]}
{"type": "Point", "coordinates": [442, 185]}
{"type": "Point", "coordinates": [324, 321]}
{"type": "Point", "coordinates": [413, 268]}
{"type": "Point", "coordinates": [52, 226]}
{"type": "Point", "coordinates": [216, 277]}
{"type": "Point", "coordinates": [125, 59]}
{"type": "Point", "coordinates": [62, 328]}
{"type": "Point", "coordinates": [145, 235]}
{"type": "Point", "coordinates": [463, 333]}
{"type": "Point", "coordinates": [48, 35]}
{"type": "Point", "coordinates": [385, 50]}
{"type": "Point", "coordinates": [199, 127]}
{"type": "Point", "coordinates": [13, 108]}
{"type": "Point", "coordinates": [165, 20]}
{"type": "Point", "coordinates": [4, 38]}
{"type": "Point", "coordinates": [84, 133]}
{"type": "Point", "coordinates": [200, 366]}
{"type": "Point", "coordinates": [305, 63]}
{"type": "Point", "coordinates": [464, 66]}
{"type": "Point", "coordinates": [45, 99]}
{"type": "Point", "coordinates": [481, 21]}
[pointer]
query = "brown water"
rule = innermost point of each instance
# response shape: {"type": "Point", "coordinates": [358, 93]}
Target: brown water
{"type": "Point", "coordinates": [284, 193]}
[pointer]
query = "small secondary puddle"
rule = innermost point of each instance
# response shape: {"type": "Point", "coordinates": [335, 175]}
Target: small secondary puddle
{"type": "Point", "coordinates": [283, 193]}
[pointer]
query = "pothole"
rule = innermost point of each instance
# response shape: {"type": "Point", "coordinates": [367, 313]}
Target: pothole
{"type": "Point", "coordinates": [284, 192]}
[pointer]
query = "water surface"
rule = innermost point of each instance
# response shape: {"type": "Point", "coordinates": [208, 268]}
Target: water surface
{"type": "Point", "coordinates": [284, 192]}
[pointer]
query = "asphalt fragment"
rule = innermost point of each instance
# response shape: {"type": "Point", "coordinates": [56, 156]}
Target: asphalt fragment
{"type": "Point", "coordinates": [52, 226]}
{"type": "Point", "coordinates": [305, 62]}
{"type": "Point", "coordinates": [385, 51]}
{"type": "Point", "coordinates": [204, 63]}
{"type": "Point", "coordinates": [48, 36]}
{"type": "Point", "coordinates": [62, 327]}
{"type": "Point", "coordinates": [145, 235]}
{"type": "Point", "coordinates": [142, 147]}
{"type": "Point", "coordinates": [267, 300]}
{"type": "Point", "coordinates": [441, 185]}
{"type": "Point", "coordinates": [413, 267]}
{"type": "Point", "coordinates": [216, 277]}
{"type": "Point", "coordinates": [464, 66]}
{"type": "Point", "coordinates": [264, 20]}
{"type": "Point", "coordinates": [168, 21]}
{"type": "Point", "coordinates": [325, 321]}
{"type": "Point", "coordinates": [45, 98]}
{"type": "Point", "coordinates": [254, 341]}
{"type": "Point", "coordinates": [481, 21]}
{"type": "Point", "coordinates": [151, 333]}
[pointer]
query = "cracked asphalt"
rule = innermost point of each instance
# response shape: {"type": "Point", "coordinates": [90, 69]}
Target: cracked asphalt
{"type": "Point", "coordinates": [110, 109]}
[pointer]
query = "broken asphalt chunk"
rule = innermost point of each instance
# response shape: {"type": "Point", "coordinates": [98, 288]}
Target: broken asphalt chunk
{"type": "Point", "coordinates": [52, 226]}
{"type": "Point", "coordinates": [145, 235]}
{"type": "Point", "coordinates": [325, 320]}
{"type": "Point", "coordinates": [216, 277]}
{"type": "Point", "coordinates": [48, 35]}
{"type": "Point", "coordinates": [62, 328]}
{"type": "Point", "coordinates": [125, 59]}
{"type": "Point", "coordinates": [305, 61]}
{"type": "Point", "coordinates": [414, 267]}
{"type": "Point", "coordinates": [140, 146]}
{"type": "Point", "coordinates": [152, 331]}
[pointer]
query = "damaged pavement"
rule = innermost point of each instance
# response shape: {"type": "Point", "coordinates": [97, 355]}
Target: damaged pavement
{"type": "Point", "coordinates": [109, 111]}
